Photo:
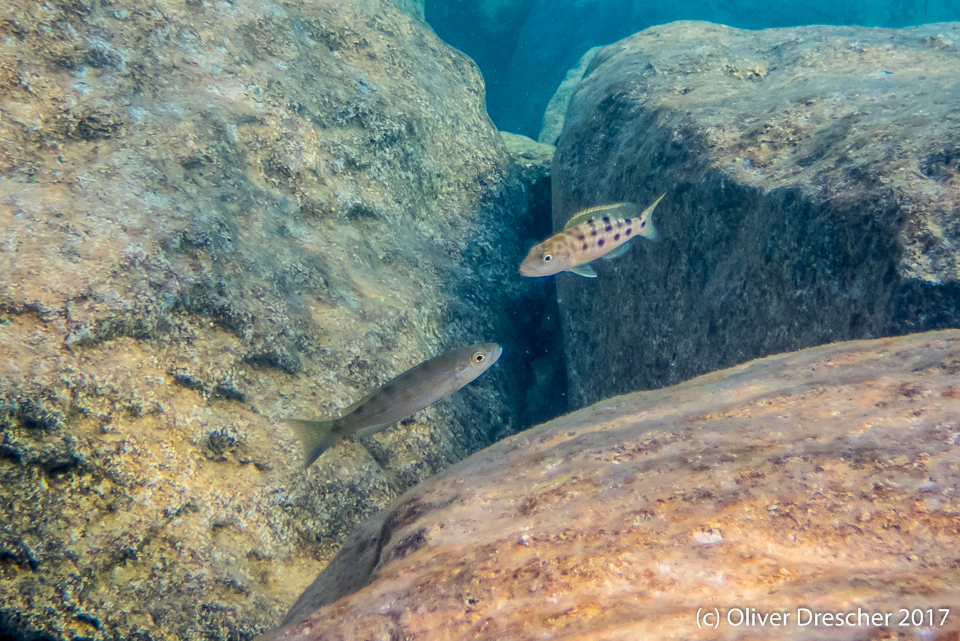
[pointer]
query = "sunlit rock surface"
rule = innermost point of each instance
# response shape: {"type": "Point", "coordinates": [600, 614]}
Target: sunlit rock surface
{"type": "Point", "coordinates": [812, 195]}
{"type": "Point", "coordinates": [214, 215]}
{"type": "Point", "coordinates": [825, 479]}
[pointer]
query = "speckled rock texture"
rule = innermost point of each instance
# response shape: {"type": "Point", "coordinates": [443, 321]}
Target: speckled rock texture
{"type": "Point", "coordinates": [825, 479]}
{"type": "Point", "coordinates": [812, 195]}
{"type": "Point", "coordinates": [214, 215]}
{"type": "Point", "coordinates": [534, 158]}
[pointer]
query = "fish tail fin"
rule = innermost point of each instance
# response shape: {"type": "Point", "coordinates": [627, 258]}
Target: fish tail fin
{"type": "Point", "coordinates": [316, 436]}
{"type": "Point", "coordinates": [647, 229]}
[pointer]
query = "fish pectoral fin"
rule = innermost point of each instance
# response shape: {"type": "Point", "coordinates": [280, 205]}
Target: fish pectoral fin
{"type": "Point", "coordinates": [614, 210]}
{"type": "Point", "coordinates": [370, 430]}
{"type": "Point", "coordinates": [316, 436]}
{"type": "Point", "coordinates": [618, 252]}
{"type": "Point", "coordinates": [584, 270]}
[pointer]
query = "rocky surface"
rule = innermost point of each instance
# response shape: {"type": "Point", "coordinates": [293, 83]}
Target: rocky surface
{"type": "Point", "coordinates": [534, 160]}
{"type": "Point", "coordinates": [213, 216]}
{"type": "Point", "coordinates": [825, 479]}
{"type": "Point", "coordinates": [812, 195]}
{"type": "Point", "coordinates": [524, 47]}
{"type": "Point", "coordinates": [413, 7]}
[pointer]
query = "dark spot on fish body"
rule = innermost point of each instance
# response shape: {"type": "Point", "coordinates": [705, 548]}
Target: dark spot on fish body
{"type": "Point", "coordinates": [590, 222]}
{"type": "Point", "coordinates": [609, 228]}
{"type": "Point", "coordinates": [582, 237]}
{"type": "Point", "coordinates": [593, 232]}
{"type": "Point", "coordinates": [606, 219]}
{"type": "Point", "coordinates": [585, 246]}
{"type": "Point", "coordinates": [616, 236]}
{"type": "Point", "coordinates": [600, 242]}
{"type": "Point", "coordinates": [629, 231]}
{"type": "Point", "coordinates": [643, 224]}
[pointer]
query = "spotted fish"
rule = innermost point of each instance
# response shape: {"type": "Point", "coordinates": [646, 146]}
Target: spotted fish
{"type": "Point", "coordinates": [593, 233]}
{"type": "Point", "coordinates": [410, 392]}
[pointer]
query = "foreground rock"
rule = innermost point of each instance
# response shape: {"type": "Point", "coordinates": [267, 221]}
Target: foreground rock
{"type": "Point", "coordinates": [827, 479]}
{"type": "Point", "coordinates": [812, 193]}
{"type": "Point", "coordinates": [213, 216]}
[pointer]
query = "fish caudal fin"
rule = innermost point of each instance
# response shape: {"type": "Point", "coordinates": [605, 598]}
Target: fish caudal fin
{"type": "Point", "coordinates": [316, 436]}
{"type": "Point", "coordinates": [647, 230]}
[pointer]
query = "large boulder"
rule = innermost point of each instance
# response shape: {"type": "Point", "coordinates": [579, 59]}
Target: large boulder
{"type": "Point", "coordinates": [812, 195]}
{"type": "Point", "coordinates": [822, 482]}
{"type": "Point", "coordinates": [524, 47]}
{"type": "Point", "coordinates": [214, 216]}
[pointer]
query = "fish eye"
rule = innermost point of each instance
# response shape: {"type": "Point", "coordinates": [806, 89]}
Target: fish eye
{"type": "Point", "coordinates": [547, 258]}
{"type": "Point", "coordinates": [478, 357]}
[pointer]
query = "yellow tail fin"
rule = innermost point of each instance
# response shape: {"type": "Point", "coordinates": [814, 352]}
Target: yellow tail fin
{"type": "Point", "coordinates": [316, 436]}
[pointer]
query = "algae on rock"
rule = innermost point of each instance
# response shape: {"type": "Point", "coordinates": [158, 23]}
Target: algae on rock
{"type": "Point", "coordinates": [214, 216]}
{"type": "Point", "coordinates": [811, 195]}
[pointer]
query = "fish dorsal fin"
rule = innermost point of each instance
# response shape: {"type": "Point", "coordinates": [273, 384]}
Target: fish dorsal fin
{"type": "Point", "coordinates": [584, 270]}
{"type": "Point", "coordinates": [618, 252]}
{"type": "Point", "coordinates": [353, 408]}
{"type": "Point", "coordinates": [614, 210]}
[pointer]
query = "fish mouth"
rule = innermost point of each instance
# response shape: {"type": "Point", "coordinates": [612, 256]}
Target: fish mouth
{"type": "Point", "coordinates": [527, 270]}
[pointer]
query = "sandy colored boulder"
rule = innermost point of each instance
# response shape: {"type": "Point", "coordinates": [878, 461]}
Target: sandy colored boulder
{"type": "Point", "coordinates": [214, 215]}
{"type": "Point", "coordinates": [825, 480]}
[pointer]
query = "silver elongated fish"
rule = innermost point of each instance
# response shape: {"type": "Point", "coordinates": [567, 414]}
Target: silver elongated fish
{"type": "Point", "coordinates": [602, 231]}
{"type": "Point", "coordinates": [410, 392]}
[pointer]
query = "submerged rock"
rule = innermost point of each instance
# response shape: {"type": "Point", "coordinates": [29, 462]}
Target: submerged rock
{"type": "Point", "coordinates": [214, 216]}
{"type": "Point", "coordinates": [812, 195]}
{"type": "Point", "coordinates": [524, 47]}
{"type": "Point", "coordinates": [532, 157]}
{"type": "Point", "coordinates": [824, 480]}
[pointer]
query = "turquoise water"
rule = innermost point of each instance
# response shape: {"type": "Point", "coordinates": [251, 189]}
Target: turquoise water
{"type": "Point", "coordinates": [524, 48]}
